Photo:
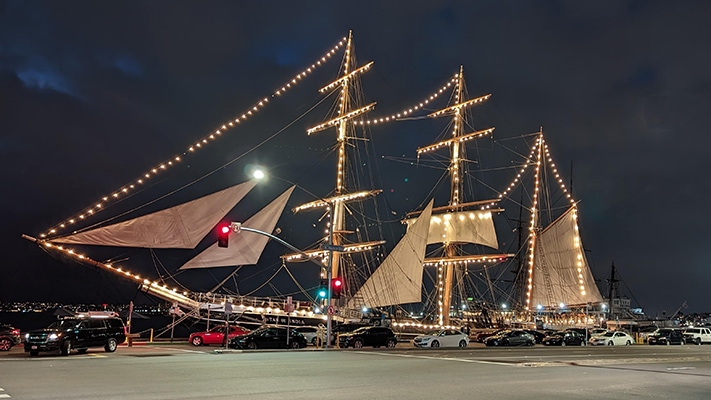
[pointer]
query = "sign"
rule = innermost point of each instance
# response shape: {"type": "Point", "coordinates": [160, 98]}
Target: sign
{"type": "Point", "coordinates": [332, 247]}
{"type": "Point", "coordinates": [228, 308]}
{"type": "Point", "coordinates": [330, 310]}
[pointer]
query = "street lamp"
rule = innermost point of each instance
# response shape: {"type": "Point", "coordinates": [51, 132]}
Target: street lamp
{"type": "Point", "coordinates": [259, 173]}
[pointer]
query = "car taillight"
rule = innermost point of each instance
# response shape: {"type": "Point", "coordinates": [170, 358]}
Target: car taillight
{"type": "Point", "coordinates": [16, 332]}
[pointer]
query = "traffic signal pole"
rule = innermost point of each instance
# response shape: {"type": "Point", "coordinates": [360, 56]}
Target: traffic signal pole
{"type": "Point", "coordinates": [237, 227]}
{"type": "Point", "coordinates": [329, 277]}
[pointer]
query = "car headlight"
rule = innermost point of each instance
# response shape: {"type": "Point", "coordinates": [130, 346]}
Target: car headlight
{"type": "Point", "coordinates": [54, 336]}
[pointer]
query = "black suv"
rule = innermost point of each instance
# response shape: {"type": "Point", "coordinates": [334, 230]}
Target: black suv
{"type": "Point", "coordinates": [375, 336]}
{"type": "Point", "coordinates": [9, 337]}
{"type": "Point", "coordinates": [343, 328]}
{"type": "Point", "coordinates": [76, 333]}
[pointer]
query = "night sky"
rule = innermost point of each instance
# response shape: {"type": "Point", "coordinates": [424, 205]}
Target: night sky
{"type": "Point", "coordinates": [93, 94]}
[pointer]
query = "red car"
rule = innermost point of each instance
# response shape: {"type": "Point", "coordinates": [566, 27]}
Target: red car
{"type": "Point", "coordinates": [216, 335]}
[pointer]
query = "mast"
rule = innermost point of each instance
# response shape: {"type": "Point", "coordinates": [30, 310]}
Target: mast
{"type": "Point", "coordinates": [455, 164]}
{"type": "Point", "coordinates": [612, 290]}
{"type": "Point", "coordinates": [453, 253]}
{"type": "Point", "coordinates": [338, 207]}
{"type": "Point", "coordinates": [336, 204]}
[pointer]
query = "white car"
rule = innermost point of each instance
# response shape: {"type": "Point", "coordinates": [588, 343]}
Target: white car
{"type": "Point", "coordinates": [442, 338]}
{"type": "Point", "coordinates": [311, 333]}
{"type": "Point", "coordinates": [612, 338]}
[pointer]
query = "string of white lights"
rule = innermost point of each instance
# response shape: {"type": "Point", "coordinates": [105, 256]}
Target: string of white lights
{"type": "Point", "coordinates": [183, 298]}
{"type": "Point", "coordinates": [409, 110]}
{"type": "Point", "coordinates": [540, 149]}
{"type": "Point", "coordinates": [126, 189]}
{"type": "Point", "coordinates": [532, 227]}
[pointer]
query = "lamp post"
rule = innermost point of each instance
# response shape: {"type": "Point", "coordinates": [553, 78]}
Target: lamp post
{"type": "Point", "coordinates": [330, 247]}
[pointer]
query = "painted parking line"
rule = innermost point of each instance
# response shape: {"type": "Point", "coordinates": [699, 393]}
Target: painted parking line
{"type": "Point", "coordinates": [464, 360]}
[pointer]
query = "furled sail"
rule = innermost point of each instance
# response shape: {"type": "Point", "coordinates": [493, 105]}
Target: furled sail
{"type": "Point", "coordinates": [178, 227]}
{"type": "Point", "coordinates": [463, 227]}
{"type": "Point", "coordinates": [561, 274]}
{"type": "Point", "coordinates": [244, 248]}
{"type": "Point", "coordinates": [398, 280]}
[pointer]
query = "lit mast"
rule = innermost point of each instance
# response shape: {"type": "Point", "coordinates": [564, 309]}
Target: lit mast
{"type": "Point", "coordinates": [337, 202]}
{"type": "Point", "coordinates": [452, 250]}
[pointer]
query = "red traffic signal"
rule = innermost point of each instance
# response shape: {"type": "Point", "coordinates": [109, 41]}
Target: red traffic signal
{"type": "Point", "coordinates": [223, 235]}
{"type": "Point", "coordinates": [336, 288]}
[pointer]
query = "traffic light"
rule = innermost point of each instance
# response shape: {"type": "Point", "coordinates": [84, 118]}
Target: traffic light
{"type": "Point", "coordinates": [322, 290]}
{"type": "Point", "coordinates": [336, 288]}
{"type": "Point", "coordinates": [223, 235]}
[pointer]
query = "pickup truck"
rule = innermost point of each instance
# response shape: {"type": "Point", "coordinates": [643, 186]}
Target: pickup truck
{"type": "Point", "coordinates": [697, 335]}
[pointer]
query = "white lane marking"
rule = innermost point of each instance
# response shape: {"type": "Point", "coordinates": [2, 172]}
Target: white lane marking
{"type": "Point", "coordinates": [443, 358]}
{"type": "Point", "coordinates": [177, 349]}
{"type": "Point", "coordinates": [679, 368]}
{"type": "Point", "coordinates": [4, 396]}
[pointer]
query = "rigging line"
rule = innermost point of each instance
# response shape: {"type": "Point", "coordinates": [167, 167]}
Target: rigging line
{"type": "Point", "coordinates": [257, 273]}
{"type": "Point", "coordinates": [410, 161]}
{"type": "Point", "coordinates": [219, 285]}
{"type": "Point", "coordinates": [234, 280]}
{"type": "Point", "coordinates": [298, 285]}
{"type": "Point", "coordinates": [434, 188]}
{"type": "Point", "coordinates": [627, 287]}
{"type": "Point", "coordinates": [277, 293]}
{"type": "Point", "coordinates": [167, 274]}
{"type": "Point", "coordinates": [196, 180]}
{"type": "Point", "coordinates": [265, 283]}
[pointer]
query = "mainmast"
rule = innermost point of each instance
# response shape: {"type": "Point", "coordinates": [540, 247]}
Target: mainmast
{"type": "Point", "coordinates": [336, 205]}
{"type": "Point", "coordinates": [452, 250]}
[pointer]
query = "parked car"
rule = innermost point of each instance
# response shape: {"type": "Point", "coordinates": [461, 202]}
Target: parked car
{"type": "Point", "coordinates": [375, 336]}
{"type": "Point", "coordinates": [644, 332]}
{"type": "Point", "coordinates": [343, 328]}
{"type": "Point", "coordinates": [692, 335]}
{"type": "Point", "coordinates": [565, 338]}
{"type": "Point", "coordinates": [597, 331]}
{"type": "Point", "coordinates": [216, 335]}
{"type": "Point", "coordinates": [538, 336]}
{"type": "Point", "coordinates": [77, 333]}
{"type": "Point", "coordinates": [9, 336]}
{"type": "Point", "coordinates": [269, 337]}
{"type": "Point", "coordinates": [442, 338]}
{"type": "Point", "coordinates": [512, 337]}
{"type": "Point", "coordinates": [311, 333]}
{"type": "Point", "coordinates": [666, 336]}
{"type": "Point", "coordinates": [481, 335]}
{"type": "Point", "coordinates": [612, 338]}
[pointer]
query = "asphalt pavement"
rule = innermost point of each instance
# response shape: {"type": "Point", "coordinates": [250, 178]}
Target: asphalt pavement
{"type": "Point", "coordinates": [181, 371]}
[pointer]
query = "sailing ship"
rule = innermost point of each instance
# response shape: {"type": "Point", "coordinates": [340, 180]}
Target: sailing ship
{"type": "Point", "coordinates": [457, 240]}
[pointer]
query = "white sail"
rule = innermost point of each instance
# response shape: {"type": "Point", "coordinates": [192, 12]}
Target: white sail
{"type": "Point", "coordinates": [178, 227]}
{"type": "Point", "coordinates": [244, 248]}
{"type": "Point", "coordinates": [463, 227]}
{"type": "Point", "coordinates": [561, 274]}
{"type": "Point", "coordinates": [398, 280]}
